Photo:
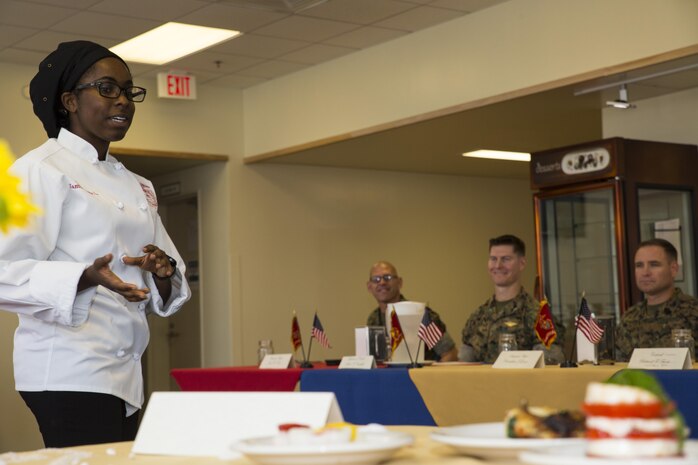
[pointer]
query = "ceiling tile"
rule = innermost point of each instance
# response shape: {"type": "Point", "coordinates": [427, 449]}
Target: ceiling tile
{"type": "Point", "coordinates": [32, 15]}
{"type": "Point", "coordinates": [103, 25]}
{"type": "Point", "coordinates": [207, 61]}
{"type": "Point", "coordinates": [47, 41]}
{"type": "Point", "coordinates": [231, 17]}
{"type": "Point", "coordinates": [235, 80]}
{"type": "Point", "coordinates": [22, 57]}
{"type": "Point", "coordinates": [271, 69]}
{"type": "Point", "coordinates": [420, 18]}
{"type": "Point", "coordinates": [317, 53]}
{"type": "Point", "coordinates": [160, 10]}
{"type": "Point", "coordinates": [365, 37]}
{"type": "Point", "coordinates": [141, 70]}
{"type": "Point", "coordinates": [308, 29]}
{"type": "Point", "coordinates": [77, 4]}
{"type": "Point", "coordinates": [467, 6]}
{"type": "Point", "coordinates": [10, 35]}
{"type": "Point", "coordinates": [357, 11]}
{"type": "Point", "coordinates": [201, 76]}
{"type": "Point", "coordinates": [418, 2]}
{"type": "Point", "coordinates": [259, 46]}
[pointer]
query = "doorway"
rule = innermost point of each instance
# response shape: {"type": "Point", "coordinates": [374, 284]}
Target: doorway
{"type": "Point", "coordinates": [175, 342]}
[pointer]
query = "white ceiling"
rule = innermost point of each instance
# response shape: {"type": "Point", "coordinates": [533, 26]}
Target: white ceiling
{"type": "Point", "coordinates": [284, 36]}
{"type": "Point", "coordinates": [279, 36]}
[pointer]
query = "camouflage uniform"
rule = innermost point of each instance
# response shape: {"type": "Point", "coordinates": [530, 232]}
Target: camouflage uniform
{"type": "Point", "coordinates": [647, 326]}
{"type": "Point", "coordinates": [377, 318]}
{"type": "Point", "coordinates": [518, 316]}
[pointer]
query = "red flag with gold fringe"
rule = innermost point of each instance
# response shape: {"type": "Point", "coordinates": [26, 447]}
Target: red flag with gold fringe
{"type": "Point", "coordinates": [545, 328]}
{"type": "Point", "coordinates": [396, 335]}
{"type": "Point", "coordinates": [296, 340]}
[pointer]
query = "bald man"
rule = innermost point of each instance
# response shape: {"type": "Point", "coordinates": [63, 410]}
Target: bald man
{"type": "Point", "coordinates": [384, 284]}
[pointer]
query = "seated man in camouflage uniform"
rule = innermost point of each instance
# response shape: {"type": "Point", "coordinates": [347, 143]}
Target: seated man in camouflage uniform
{"type": "Point", "coordinates": [510, 310]}
{"type": "Point", "coordinates": [384, 285]}
{"type": "Point", "coordinates": [649, 322]}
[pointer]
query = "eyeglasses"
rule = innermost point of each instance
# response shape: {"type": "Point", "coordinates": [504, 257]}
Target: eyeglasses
{"type": "Point", "coordinates": [386, 277]}
{"type": "Point", "coordinates": [111, 90]}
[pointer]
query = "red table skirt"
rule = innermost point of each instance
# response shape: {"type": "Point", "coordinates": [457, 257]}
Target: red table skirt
{"type": "Point", "coordinates": [248, 378]}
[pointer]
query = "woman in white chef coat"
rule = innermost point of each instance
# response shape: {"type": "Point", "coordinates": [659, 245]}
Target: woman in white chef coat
{"type": "Point", "coordinates": [85, 273]}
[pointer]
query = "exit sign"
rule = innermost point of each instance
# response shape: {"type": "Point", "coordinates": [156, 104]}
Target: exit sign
{"type": "Point", "coordinates": [177, 85]}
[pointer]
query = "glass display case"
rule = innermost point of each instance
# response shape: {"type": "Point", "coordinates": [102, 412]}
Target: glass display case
{"type": "Point", "coordinates": [594, 203]}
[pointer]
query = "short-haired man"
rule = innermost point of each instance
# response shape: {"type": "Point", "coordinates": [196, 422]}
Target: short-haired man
{"type": "Point", "coordinates": [384, 284]}
{"type": "Point", "coordinates": [649, 322]}
{"type": "Point", "coordinates": [510, 310]}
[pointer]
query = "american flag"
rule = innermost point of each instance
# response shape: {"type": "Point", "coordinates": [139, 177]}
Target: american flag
{"type": "Point", "coordinates": [428, 331]}
{"type": "Point", "coordinates": [587, 324]}
{"type": "Point", "coordinates": [318, 333]}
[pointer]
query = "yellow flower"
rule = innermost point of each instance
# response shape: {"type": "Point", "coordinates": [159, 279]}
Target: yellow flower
{"type": "Point", "coordinates": [15, 207]}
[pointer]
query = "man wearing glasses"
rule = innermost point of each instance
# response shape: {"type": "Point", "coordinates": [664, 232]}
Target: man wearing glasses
{"type": "Point", "coordinates": [384, 285]}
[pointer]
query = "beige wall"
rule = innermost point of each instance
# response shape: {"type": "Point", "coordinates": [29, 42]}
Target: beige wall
{"type": "Point", "coordinates": [670, 118]}
{"type": "Point", "coordinates": [311, 234]}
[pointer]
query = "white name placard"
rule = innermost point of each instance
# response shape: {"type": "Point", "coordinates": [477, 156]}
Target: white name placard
{"type": "Point", "coordinates": [364, 362]}
{"type": "Point", "coordinates": [276, 362]}
{"type": "Point", "coordinates": [520, 359]}
{"type": "Point", "coordinates": [669, 358]}
{"type": "Point", "coordinates": [208, 423]}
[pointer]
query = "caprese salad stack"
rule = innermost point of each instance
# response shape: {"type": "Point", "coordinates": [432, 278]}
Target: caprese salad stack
{"type": "Point", "coordinates": [630, 416]}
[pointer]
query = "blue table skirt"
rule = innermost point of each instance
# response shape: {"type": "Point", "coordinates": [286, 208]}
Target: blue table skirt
{"type": "Point", "coordinates": [386, 396]}
{"type": "Point", "coordinates": [682, 387]}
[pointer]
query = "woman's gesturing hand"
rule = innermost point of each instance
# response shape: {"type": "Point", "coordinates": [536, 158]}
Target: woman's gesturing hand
{"type": "Point", "coordinates": [99, 273]}
{"type": "Point", "coordinates": [155, 261]}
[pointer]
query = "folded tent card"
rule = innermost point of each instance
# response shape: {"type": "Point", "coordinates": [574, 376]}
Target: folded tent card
{"type": "Point", "coordinates": [208, 423]}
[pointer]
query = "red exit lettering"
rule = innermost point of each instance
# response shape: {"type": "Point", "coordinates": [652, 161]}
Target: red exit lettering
{"type": "Point", "coordinates": [178, 85]}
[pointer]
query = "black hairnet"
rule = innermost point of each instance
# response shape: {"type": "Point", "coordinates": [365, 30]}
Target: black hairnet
{"type": "Point", "coordinates": [58, 73]}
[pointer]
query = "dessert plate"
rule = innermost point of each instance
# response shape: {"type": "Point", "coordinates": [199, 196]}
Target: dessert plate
{"type": "Point", "coordinates": [488, 440]}
{"type": "Point", "coordinates": [575, 455]}
{"type": "Point", "coordinates": [367, 449]}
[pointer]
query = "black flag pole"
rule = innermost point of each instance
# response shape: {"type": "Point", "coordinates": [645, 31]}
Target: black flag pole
{"type": "Point", "coordinates": [569, 363]}
{"type": "Point", "coordinates": [306, 363]}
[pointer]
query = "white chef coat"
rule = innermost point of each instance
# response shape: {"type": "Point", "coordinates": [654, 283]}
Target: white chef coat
{"type": "Point", "coordinates": [90, 341]}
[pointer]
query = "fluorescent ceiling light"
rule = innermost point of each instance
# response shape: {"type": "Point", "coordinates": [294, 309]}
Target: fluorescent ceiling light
{"type": "Point", "coordinates": [170, 42]}
{"type": "Point", "coordinates": [499, 155]}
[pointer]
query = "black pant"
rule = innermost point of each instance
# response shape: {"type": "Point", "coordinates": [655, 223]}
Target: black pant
{"type": "Point", "coordinates": [78, 418]}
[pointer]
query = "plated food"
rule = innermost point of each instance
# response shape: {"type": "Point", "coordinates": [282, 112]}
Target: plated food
{"type": "Point", "coordinates": [630, 416]}
{"type": "Point", "coordinates": [490, 441]}
{"type": "Point", "coordinates": [544, 423]}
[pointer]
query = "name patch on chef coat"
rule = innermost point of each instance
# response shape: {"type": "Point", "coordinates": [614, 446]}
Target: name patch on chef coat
{"type": "Point", "coordinates": [149, 195]}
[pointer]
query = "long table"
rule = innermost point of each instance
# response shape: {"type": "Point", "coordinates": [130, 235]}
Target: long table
{"type": "Point", "coordinates": [440, 395]}
{"type": "Point", "coordinates": [423, 452]}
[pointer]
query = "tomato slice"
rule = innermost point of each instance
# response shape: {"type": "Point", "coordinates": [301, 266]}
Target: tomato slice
{"type": "Point", "coordinates": [288, 426]}
{"type": "Point", "coordinates": [634, 434]}
{"type": "Point", "coordinates": [654, 410]}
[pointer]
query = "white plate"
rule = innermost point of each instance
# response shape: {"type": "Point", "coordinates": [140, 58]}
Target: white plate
{"type": "Point", "coordinates": [368, 449]}
{"type": "Point", "coordinates": [488, 440]}
{"type": "Point", "coordinates": [575, 455]}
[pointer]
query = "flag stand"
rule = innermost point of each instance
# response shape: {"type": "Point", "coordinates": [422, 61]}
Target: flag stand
{"type": "Point", "coordinates": [569, 363]}
{"type": "Point", "coordinates": [413, 361]}
{"type": "Point", "coordinates": [415, 364]}
{"type": "Point", "coordinates": [306, 363]}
